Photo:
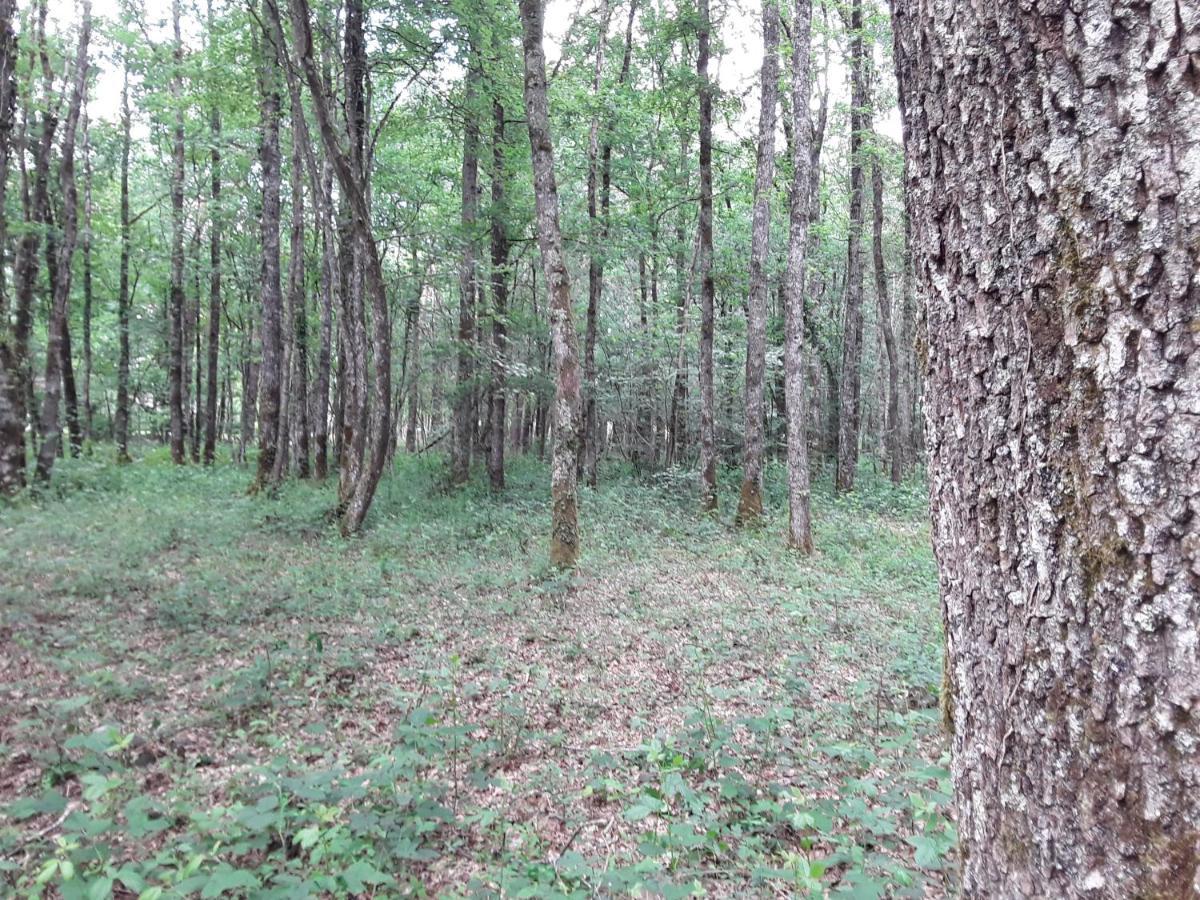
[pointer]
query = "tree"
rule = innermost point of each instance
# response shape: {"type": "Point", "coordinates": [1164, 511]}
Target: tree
{"type": "Point", "coordinates": [850, 386]}
{"type": "Point", "coordinates": [891, 430]}
{"type": "Point", "coordinates": [750, 505]}
{"type": "Point", "coordinates": [799, 535]}
{"type": "Point", "coordinates": [1058, 248]}
{"type": "Point", "coordinates": [708, 436]}
{"type": "Point", "coordinates": [12, 396]}
{"type": "Point", "coordinates": [64, 255]}
{"type": "Point", "coordinates": [564, 528]}
{"type": "Point", "coordinates": [121, 418]}
{"type": "Point", "coordinates": [500, 273]}
{"type": "Point", "coordinates": [270, 293]}
{"type": "Point", "coordinates": [175, 306]}
{"type": "Point", "coordinates": [214, 278]}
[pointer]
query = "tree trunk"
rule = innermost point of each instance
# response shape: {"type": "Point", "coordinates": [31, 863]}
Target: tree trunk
{"type": "Point", "coordinates": [850, 387]}
{"type": "Point", "coordinates": [121, 422]}
{"type": "Point", "coordinates": [352, 176]}
{"type": "Point", "coordinates": [892, 421]}
{"type": "Point", "coordinates": [175, 306]}
{"type": "Point", "coordinates": [750, 505]}
{"type": "Point", "coordinates": [214, 282]}
{"type": "Point", "coordinates": [1054, 191]}
{"type": "Point", "coordinates": [708, 438]}
{"type": "Point", "coordinates": [799, 535]}
{"type": "Point", "coordinates": [564, 529]}
{"type": "Point", "coordinates": [270, 293]}
{"type": "Point", "coordinates": [65, 252]}
{"type": "Point", "coordinates": [87, 281]}
{"type": "Point", "coordinates": [500, 272]}
{"type": "Point", "coordinates": [12, 401]}
{"type": "Point", "coordinates": [464, 398]}
{"type": "Point", "coordinates": [298, 303]}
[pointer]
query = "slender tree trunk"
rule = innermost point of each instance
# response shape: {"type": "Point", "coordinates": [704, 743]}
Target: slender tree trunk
{"type": "Point", "coordinates": [799, 536]}
{"type": "Point", "coordinates": [270, 293]}
{"type": "Point", "coordinates": [352, 178]}
{"type": "Point", "coordinates": [708, 437]}
{"type": "Point", "coordinates": [464, 400]}
{"type": "Point", "coordinates": [750, 505]}
{"type": "Point", "coordinates": [298, 303]}
{"type": "Point", "coordinates": [892, 422]}
{"type": "Point", "coordinates": [87, 281]}
{"type": "Point", "coordinates": [121, 423]}
{"type": "Point", "coordinates": [214, 280]}
{"type": "Point", "coordinates": [413, 373]}
{"type": "Point", "coordinates": [500, 272]}
{"type": "Point", "coordinates": [324, 352]}
{"type": "Point", "coordinates": [12, 401]}
{"type": "Point", "coordinates": [175, 306]}
{"type": "Point", "coordinates": [1059, 250]}
{"type": "Point", "coordinates": [564, 529]}
{"type": "Point", "coordinates": [65, 252]}
{"type": "Point", "coordinates": [850, 388]}
{"type": "Point", "coordinates": [588, 435]}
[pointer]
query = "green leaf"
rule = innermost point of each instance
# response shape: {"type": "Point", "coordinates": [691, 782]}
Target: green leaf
{"type": "Point", "coordinates": [226, 878]}
{"type": "Point", "coordinates": [360, 874]}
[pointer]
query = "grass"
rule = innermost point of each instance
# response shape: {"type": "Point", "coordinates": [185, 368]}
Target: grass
{"type": "Point", "coordinates": [206, 694]}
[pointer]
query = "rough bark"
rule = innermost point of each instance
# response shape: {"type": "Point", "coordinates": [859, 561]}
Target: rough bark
{"type": "Point", "coordinates": [750, 504]}
{"type": "Point", "coordinates": [850, 386]}
{"type": "Point", "coordinates": [799, 536]}
{"type": "Point", "coordinates": [564, 529]}
{"type": "Point", "coordinates": [464, 398]}
{"type": "Point", "coordinates": [708, 437]}
{"type": "Point", "coordinates": [65, 253]}
{"type": "Point", "coordinates": [1053, 181]}
{"type": "Point", "coordinates": [175, 303]}
{"type": "Point", "coordinates": [892, 430]}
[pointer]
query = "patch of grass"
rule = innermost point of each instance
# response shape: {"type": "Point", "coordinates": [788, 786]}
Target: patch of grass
{"type": "Point", "coordinates": [204, 693]}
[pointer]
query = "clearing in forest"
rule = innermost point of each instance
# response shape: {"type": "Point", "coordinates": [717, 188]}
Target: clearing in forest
{"type": "Point", "coordinates": [203, 693]}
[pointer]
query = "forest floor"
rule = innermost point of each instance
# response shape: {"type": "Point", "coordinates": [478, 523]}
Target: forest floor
{"type": "Point", "coordinates": [203, 693]}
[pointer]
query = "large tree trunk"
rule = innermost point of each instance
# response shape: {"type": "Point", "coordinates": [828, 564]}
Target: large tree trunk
{"type": "Point", "coordinates": [175, 306]}
{"type": "Point", "coordinates": [708, 436]}
{"type": "Point", "coordinates": [892, 430]}
{"type": "Point", "coordinates": [1054, 189]}
{"type": "Point", "coordinates": [564, 529]}
{"type": "Point", "coordinates": [270, 293]}
{"type": "Point", "coordinates": [750, 505]}
{"type": "Point", "coordinates": [500, 272]}
{"type": "Point", "coordinates": [799, 534]}
{"type": "Point", "coordinates": [65, 252]}
{"type": "Point", "coordinates": [850, 387]}
{"type": "Point", "coordinates": [464, 398]}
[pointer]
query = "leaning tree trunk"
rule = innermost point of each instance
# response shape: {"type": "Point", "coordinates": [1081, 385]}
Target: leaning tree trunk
{"type": "Point", "coordinates": [708, 438]}
{"type": "Point", "coordinates": [1054, 189]}
{"type": "Point", "coordinates": [65, 252]}
{"type": "Point", "coordinates": [799, 534]}
{"type": "Point", "coordinates": [564, 530]}
{"type": "Point", "coordinates": [750, 505]}
{"type": "Point", "coordinates": [850, 386]}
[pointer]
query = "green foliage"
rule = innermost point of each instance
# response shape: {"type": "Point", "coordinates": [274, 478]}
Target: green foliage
{"type": "Point", "coordinates": [225, 698]}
